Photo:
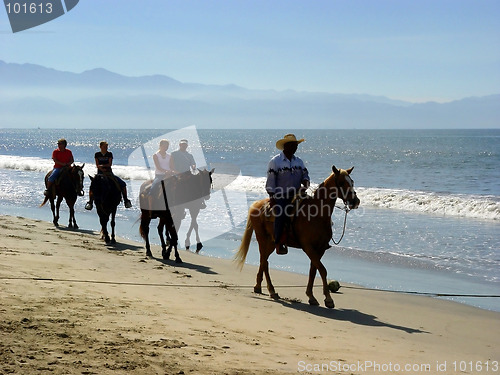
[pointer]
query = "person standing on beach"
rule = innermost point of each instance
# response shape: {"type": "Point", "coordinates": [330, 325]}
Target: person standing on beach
{"type": "Point", "coordinates": [103, 162]}
{"type": "Point", "coordinates": [181, 160]}
{"type": "Point", "coordinates": [286, 173]}
{"type": "Point", "coordinates": [62, 157]}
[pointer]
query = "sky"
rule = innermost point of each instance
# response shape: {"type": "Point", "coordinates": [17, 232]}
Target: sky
{"type": "Point", "coordinates": [425, 50]}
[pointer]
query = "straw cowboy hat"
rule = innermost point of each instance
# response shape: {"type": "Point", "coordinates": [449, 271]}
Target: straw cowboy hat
{"type": "Point", "coordinates": [287, 138]}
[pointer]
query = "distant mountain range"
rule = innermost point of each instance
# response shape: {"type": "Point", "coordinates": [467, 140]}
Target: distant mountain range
{"type": "Point", "coordinates": [36, 96]}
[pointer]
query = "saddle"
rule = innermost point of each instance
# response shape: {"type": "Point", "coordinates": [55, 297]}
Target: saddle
{"type": "Point", "coordinates": [296, 202]}
{"type": "Point", "coordinates": [112, 177]}
{"type": "Point", "coordinates": [288, 238]}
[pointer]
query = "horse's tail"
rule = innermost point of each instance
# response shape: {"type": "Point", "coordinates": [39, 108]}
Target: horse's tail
{"type": "Point", "coordinates": [141, 231]}
{"type": "Point", "coordinates": [44, 201]}
{"type": "Point", "coordinates": [241, 255]}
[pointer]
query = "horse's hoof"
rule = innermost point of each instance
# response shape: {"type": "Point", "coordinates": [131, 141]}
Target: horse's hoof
{"type": "Point", "coordinates": [165, 255]}
{"type": "Point", "coordinates": [70, 226]}
{"type": "Point", "coordinates": [257, 290]}
{"type": "Point", "coordinates": [149, 254]}
{"type": "Point", "coordinates": [187, 247]}
{"type": "Point", "coordinates": [199, 246]}
{"type": "Point", "coordinates": [314, 302]}
{"type": "Point", "coordinates": [329, 303]}
{"type": "Point", "coordinates": [178, 260]}
{"type": "Point", "coordinates": [275, 296]}
{"type": "Point", "coordinates": [113, 241]}
{"type": "Point", "coordinates": [75, 226]}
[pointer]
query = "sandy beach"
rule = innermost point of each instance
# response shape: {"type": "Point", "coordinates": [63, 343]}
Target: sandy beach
{"type": "Point", "coordinates": [71, 305]}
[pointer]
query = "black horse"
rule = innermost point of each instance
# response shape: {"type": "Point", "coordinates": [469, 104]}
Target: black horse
{"type": "Point", "coordinates": [68, 187]}
{"type": "Point", "coordinates": [107, 196]}
{"type": "Point", "coordinates": [190, 192]}
{"type": "Point", "coordinates": [158, 210]}
{"type": "Point", "coordinates": [168, 203]}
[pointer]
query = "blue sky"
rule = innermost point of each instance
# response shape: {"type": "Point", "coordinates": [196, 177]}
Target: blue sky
{"type": "Point", "coordinates": [421, 50]}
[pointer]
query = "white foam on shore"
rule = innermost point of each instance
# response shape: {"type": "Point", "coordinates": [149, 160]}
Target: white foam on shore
{"type": "Point", "coordinates": [456, 205]}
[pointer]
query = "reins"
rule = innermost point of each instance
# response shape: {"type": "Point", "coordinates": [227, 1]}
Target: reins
{"type": "Point", "coordinates": [346, 209]}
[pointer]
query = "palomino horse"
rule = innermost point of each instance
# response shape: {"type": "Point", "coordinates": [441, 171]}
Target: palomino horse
{"type": "Point", "coordinates": [68, 186]}
{"type": "Point", "coordinates": [107, 196]}
{"type": "Point", "coordinates": [178, 192]}
{"type": "Point", "coordinates": [310, 230]}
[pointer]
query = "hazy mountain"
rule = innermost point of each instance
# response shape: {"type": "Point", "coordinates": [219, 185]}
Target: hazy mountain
{"type": "Point", "coordinates": [36, 96]}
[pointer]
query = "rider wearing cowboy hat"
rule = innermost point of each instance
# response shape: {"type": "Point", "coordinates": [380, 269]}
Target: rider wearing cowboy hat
{"type": "Point", "coordinates": [285, 175]}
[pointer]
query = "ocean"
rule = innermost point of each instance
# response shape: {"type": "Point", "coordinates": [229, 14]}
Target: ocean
{"type": "Point", "coordinates": [428, 222]}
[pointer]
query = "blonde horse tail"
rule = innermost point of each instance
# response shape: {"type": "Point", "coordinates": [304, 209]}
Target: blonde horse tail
{"type": "Point", "coordinates": [44, 201]}
{"type": "Point", "coordinates": [241, 255]}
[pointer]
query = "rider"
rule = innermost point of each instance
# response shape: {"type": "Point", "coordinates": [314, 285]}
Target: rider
{"type": "Point", "coordinates": [103, 162]}
{"type": "Point", "coordinates": [62, 157]}
{"type": "Point", "coordinates": [285, 175]}
{"type": "Point", "coordinates": [162, 162]}
{"type": "Point", "coordinates": [181, 160]}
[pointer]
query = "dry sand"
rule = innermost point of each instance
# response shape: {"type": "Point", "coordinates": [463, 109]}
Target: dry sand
{"type": "Point", "coordinates": [71, 305]}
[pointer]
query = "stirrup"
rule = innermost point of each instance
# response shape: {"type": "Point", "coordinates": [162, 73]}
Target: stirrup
{"type": "Point", "coordinates": [89, 206]}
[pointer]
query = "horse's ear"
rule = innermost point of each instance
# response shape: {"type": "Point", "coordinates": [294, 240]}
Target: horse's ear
{"type": "Point", "coordinates": [212, 171]}
{"type": "Point", "coordinates": [83, 165]}
{"type": "Point", "coordinates": [335, 170]}
{"type": "Point", "coordinates": [349, 170]}
{"type": "Point", "coordinates": [91, 178]}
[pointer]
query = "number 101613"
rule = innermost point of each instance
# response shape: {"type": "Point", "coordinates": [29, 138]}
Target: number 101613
{"type": "Point", "coordinates": [29, 8]}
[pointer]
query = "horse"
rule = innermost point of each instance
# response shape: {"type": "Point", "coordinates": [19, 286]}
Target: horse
{"type": "Point", "coordinates": [107, 196]}
{"type": "Point", "coordinates": [310, 229]}
{"type": "Point", "coordinates": [177, 192]}
{"type": "Point", "coordinates": [68, 187]}
{"type": "Point", "coordinates": [190, 192]}
{"type": "Point", "coordinates": [158, 210]}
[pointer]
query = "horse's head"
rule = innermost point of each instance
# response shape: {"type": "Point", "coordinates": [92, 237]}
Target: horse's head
{"type": "Point", "coordinates": [205, 182]}
{"type": "Point", "coordinates": [99, 186]}
{"type": "Point", "coordinates": [342, 182]}
{"type": "Point", "coordinates": [77, 176]}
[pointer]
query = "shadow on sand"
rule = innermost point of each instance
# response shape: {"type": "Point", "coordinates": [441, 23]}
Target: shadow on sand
{"type": "Point", "coordinates": [348, 315]}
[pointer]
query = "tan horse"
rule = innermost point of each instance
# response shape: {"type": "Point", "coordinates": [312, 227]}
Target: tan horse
{"type": "Point", "coordinates": [310, 230]}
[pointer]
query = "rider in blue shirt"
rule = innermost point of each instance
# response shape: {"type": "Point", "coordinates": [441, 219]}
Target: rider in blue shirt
{"type": "Point", "coordinates": [286, 173]}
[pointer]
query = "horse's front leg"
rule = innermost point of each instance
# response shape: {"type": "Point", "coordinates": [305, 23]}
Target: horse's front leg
{"type": "Point", "coordinates": [194, 223]}
{"type": "Point", "coordinates": [72, 220]}
{"type": "Point", "coordinates": [326, 291]}
{"type": "Point", "coordinates": [113, 214]}
{"type": "Point", "coordinates": [103, 219]}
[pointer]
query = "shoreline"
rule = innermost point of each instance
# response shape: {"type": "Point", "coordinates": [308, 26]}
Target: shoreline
{"type": "Point", "coordinates": [71, 304]}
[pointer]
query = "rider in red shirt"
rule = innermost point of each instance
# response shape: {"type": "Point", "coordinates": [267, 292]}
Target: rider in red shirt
{"type": "Point", "coordinates": [62, 157]}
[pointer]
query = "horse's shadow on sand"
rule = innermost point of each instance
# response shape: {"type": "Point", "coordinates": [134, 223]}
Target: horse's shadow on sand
{"type": "Point", "coordinates": [348, 315]}
{"type": "Point", "coordinates": [185, 265]}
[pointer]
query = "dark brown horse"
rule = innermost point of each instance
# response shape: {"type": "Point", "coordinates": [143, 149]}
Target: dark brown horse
{"type": "Point", "coordinates": [158, 210]}
{"type": "Point", "coordinates": [310, 229]}
{"type": "Point", "coordinates": [68, 187]}
{"type": "Point", "coordinates": [167, 204]}
{"type": "Point", "coordinates": [107, 195]}
{"type": "Point", "coordinates": [190, 192]}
